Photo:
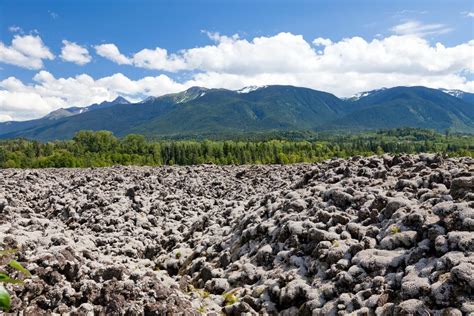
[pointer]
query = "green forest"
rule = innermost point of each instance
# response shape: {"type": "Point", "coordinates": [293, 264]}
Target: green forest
{"type": "Point", "coordinates": [102, 148]}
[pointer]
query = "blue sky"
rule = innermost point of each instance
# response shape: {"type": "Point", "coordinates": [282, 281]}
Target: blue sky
{"type": "Point", "coordinates": [174, 26]}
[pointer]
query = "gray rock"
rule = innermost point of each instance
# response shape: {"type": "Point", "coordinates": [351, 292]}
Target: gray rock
{"type": "Point", "coordinates": [442, 292]}
{"type": "Point", "coordinates": [461, 186]}
{"type": "Point", "coordinates": [376, 259]}
{"type": "Point", "coordinates": [412, 307]}
{"type": "Point", "coordinates": [217, 286]}
{"type": "Point", "coordinates": [294, 239]}
{"type": "Point", "coordinates": [463, 241]}
{"type": "Point", "coordinates": [441, 244]}
{"type": "Point", "coordinates": [294, 293]}
{"type": "Point", "coordinates": [86, 309]}
{"type": "Point", "coordinates": [264, 255]}
{"type": "Point", "coordinates": [393, 205]}
{"type": "Point", "coordinates": [464, 274]}
{"type": "Point", "coordinates": [414, 286]}
{"type": "Point", "coordinates": [339, 198]}
{"type": "Point", "coordinates": [405, 239]}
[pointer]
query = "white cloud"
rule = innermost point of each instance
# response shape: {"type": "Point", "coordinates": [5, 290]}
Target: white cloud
{"type": "Point", "coordinates": [15, 29]}
{"type": "Point", "coordinates": [322, 41]}
{"type": "Point", "coordinates": [217, 37]}
{"type": "Point", "coordinates": [417, 28]}
{"type": "Point", "coordinates": [158, 58]}
{"type": "Point", "coordinates": [5, 118]}
{"type": "Point", "coordinates": [54, 15]}
{"type": "Point", "coordinates": [286, 53]}
{"type": "Point", "coordinates": [48, 93]}
{"type": "Point", "coordinates": [111, 52]}
{"type": "Point", "coordinates": [282, 53]}
{"type": "Point", "coordinates": [405, 13]}
{"type": "Point", "coordinates": [341, 67]}
{"type": "Point", "coordinates": [75, 53]}
{"type": "Point", "coordinates": [468, 14]}
{"type": "Point", "coordinates": [26, 51]}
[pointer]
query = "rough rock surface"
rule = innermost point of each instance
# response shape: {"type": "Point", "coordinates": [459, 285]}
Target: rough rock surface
{"type": "Point", "coordinates": [369, 236]}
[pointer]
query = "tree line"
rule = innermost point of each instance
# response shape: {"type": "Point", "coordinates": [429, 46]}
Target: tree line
{"type": "Point", "coordinates": [102, 148]}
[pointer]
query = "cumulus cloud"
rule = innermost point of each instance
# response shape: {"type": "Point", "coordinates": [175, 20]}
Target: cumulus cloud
{"type": "Point", "coordinates": [15, 29]}
{"type": "Point", "coordinates": [5, 118]}
{"type": "Point", "coordinates": [75, 53]}
{"type": "Point", "coordinates": [282, 53]}
{"type": "Point", "coordinates": [468, 14]}
{"type": "Point", "coordinates": [341, 67]}
{"type": "Point", "coordinates": [26, 101]}
{"type": "Point", "coordinates": [158, 58]}
{"type": "Point", "coordinates": [111, 52]}
{"type": "Point", "coordinates": [344, 67]}
{"type": "Point", "coordinates": [286, 53]}
{"type": "Point", "coordinates": [417, 28]}
{"type": "Point", "coordinates": [26, 51]}
{"type": "Point", "coordinates": [322, 41]}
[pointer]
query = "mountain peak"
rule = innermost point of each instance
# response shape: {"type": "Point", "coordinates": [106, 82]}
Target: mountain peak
{"type": "Point", "coordinates": [454, 92]}
{"type": "Point", "coordinates": [190, 94]}
{"type": "Point", "coordinates": [117, 100]}
{"type": "Point", "coordinates": [463, 95]}
{"type": "Point", "coordinates": [120, 100]}
{"type": "Point", "coordinates": [275, 108]}
{"type": "Point", "coordinates": [363, 94]}
{"type": "Point", "coordinates": [64, 112]}
{"type": "Point", "coordinates": [196, 89]}
{"type": "Point", "coordinates": [148, 99]}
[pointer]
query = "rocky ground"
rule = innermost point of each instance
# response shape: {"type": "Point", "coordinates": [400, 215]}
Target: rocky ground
{"type": "Point", "coordinates": [367, 236]}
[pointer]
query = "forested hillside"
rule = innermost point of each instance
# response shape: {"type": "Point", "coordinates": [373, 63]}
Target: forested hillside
{"type": "Point", "coordinates": [199, 113]}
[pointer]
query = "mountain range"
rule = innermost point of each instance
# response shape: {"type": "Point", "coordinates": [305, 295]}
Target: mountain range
{"type": "Point", "coordinates": [199, 112]}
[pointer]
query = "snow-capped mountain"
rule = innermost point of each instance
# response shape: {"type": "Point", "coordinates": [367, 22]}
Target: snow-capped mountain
{"type": "Point", "coordinates": [250, 89]}
{"type": "Point", "coordinates": [463, 95]}
{"type": "Point", "coordinates": [190, 94]}
{"type": "Point", "coordinates": [204, 112]}
{"type": "Point", "coordinates": [179, 97]}
{"type": "Point", "coordinates": [455, 93]}
{"type": "Point", "coordinates": [66, 112]}
{"type": "Point", "coordinates": [363, 94]}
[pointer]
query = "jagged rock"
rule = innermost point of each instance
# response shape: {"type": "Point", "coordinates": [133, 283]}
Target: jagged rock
{"type": "Point", "coordinates": [365, 235]}
{"type": "Point", "coordinates": [461, 186]}
{"type": "Point", "coordinates": [340, 198]}
{"type": "Point", "coordinates": [264, 255]}
{"type": "Point", "coordinates": [217, 285]}
{"type": "Point", "coordinates": [464, 273]}
{"type": "Point", "coordinates": [375, 259]}
{"type": "Point", "coordinates": [442, 292]}
{"type": "Point", "coordinates": [404, 239]}
{"type": "Point", "coordinates": [414, 286]}
{"type": "Point", "coordinates": [412, 307]}
{"type": "Point", "coordinates": [240, 308]}
{"type": "Point", "coordinates": [463, 241]}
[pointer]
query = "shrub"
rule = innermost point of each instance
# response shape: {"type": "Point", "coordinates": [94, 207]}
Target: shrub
{"type": "Point", "coordinates": [230, 298]}
{"type": "Point", "coordinates": [7, 256]}
{"type": "Point", "coordinates": [202, 309]}
{"type": "Point", "coordinates": [395, 230]}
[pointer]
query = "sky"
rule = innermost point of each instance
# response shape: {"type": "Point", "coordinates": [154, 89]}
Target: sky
{"type": "Point", "coordinates": [66, 53]}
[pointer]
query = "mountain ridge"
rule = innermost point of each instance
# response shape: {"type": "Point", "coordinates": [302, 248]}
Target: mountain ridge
{"type": "Point", "coordinates": [199, 110]}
